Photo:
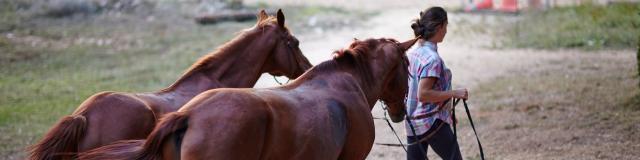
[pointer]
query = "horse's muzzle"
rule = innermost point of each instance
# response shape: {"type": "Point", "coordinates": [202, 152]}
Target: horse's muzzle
{"type": "Point", "coordinates": [396, 119]}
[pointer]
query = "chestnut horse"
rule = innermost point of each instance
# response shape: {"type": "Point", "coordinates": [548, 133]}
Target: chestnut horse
{"type": "Point", "coordinates": [324, 114]}
{"type": "Point", "coordinates": [107, 117]}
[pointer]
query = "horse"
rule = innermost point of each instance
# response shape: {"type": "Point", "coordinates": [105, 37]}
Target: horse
{"type": "Point", "coordinates": [323, 114]}
{"type": "Point", "coordinates": [106, 117]}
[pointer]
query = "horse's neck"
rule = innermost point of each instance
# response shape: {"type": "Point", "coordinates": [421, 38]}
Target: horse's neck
{"type": "Point", "coordinates": [231, 70]}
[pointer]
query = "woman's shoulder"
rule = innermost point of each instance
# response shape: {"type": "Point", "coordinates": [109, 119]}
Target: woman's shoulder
{"type": "Point", "coordinates": [423, 53]}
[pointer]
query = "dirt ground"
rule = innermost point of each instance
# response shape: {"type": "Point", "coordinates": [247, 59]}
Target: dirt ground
{"type": "Point", "coordinates": [527, 104]}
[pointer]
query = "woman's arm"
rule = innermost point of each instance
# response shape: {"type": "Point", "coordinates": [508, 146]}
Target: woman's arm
{"type": "Point", "coordinates": [427, 95]}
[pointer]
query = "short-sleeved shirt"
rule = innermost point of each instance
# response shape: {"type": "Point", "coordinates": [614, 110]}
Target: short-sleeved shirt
{"type": "Point", "coordinates": [426, 62]}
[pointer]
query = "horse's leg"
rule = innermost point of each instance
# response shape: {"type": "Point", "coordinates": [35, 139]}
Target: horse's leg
{"type": "Point", "coordinates": [114, 117]}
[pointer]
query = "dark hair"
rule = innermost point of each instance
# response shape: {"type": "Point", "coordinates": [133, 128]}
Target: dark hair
{"type": "Point", "coordinates": [430, 19]}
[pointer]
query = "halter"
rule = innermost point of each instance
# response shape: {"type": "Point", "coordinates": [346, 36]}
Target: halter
{"type": "Point", "coordinates": [280, 83]}
{"type": "Point", "coordinates": [295, 59]}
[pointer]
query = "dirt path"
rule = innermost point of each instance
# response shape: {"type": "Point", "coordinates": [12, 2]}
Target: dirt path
{"type": "Point", "coordinates": [474, 65]}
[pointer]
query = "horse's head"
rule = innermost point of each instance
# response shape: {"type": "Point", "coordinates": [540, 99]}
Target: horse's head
{"type": "Point", "coordinates": [395, 87]}
{"type": "Point", "coordinates": [285, 57]}
{"type": "Point", "coordinates": [387, 67]}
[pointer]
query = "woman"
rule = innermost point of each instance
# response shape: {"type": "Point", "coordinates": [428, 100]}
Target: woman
{"type": "Point", "coordinates": [430, 91]}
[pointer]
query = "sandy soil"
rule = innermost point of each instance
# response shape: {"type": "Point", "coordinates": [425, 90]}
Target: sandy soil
{"type": "Point", "coordinates": [474, 63]}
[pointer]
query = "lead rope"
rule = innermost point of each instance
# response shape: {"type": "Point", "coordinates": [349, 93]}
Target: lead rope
{"type": "Point", "coordinates": [466, 108]}
{"type": "Point", "coordinates": [384, 108]}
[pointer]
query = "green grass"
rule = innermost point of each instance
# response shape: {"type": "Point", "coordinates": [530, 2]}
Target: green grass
{"type": "Point", "coordinates": [39, 88]}
{"type": "Point", "coordinates": [40, 83]}
{"type": "Point", "coordinates": [585, 26]}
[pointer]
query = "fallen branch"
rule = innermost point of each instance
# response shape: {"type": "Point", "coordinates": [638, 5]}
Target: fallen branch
{"type": "Point", "coordinates": [212, 18]}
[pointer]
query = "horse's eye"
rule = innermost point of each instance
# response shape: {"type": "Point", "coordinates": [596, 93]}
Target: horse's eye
{"type": "Point", "coordinates": [295, 42]}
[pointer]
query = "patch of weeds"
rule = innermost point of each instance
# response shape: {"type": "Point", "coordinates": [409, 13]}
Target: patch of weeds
{"type": "Point", "coordinates": [4, 42]}
{"type": "Point", "coordinates": [586, 26]}
{"type": "Point", "coordinates": [633, 103]}
{"type": "Point", "coordinates": [8, 16]}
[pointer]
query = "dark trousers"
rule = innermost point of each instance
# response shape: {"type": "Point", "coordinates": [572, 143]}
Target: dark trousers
{"type": "Point", "coordinates": [442, 142]}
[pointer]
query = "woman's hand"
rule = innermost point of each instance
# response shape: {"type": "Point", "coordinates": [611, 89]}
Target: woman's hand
{"type": "Point", "coordinates": [461, 93]}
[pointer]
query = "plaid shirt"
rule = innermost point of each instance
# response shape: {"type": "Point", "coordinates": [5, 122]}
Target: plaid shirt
{"type": "Point", "coordinates": [425, 62]}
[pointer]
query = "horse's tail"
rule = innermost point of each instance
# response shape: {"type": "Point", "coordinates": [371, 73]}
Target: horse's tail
{"type": "Point", "coordinates": [61, 141]}
{"type": "Point", "coordinates": [170, 130]}
{"type": "Point", "coordinates": [171, 127]}
{"type": "Point", "coordinates": [125, 149]}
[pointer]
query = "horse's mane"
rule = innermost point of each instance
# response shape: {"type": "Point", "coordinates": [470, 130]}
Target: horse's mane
{"type": "Point", "coordinates": [204, 62]}
{"type": "Point", "coordinates": [355, 57]}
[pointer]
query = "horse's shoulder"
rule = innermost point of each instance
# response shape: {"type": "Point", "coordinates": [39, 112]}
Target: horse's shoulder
{"type": "Point", "coordinates": [337, 109]}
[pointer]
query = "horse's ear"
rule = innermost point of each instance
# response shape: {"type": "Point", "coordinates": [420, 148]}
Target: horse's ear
{"type": "Point", "coordinates": [404, 46]}
{"type": "Point", "coordinates": [262, 15]}
{"type": "Point", "coordinates": [280, 17]}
